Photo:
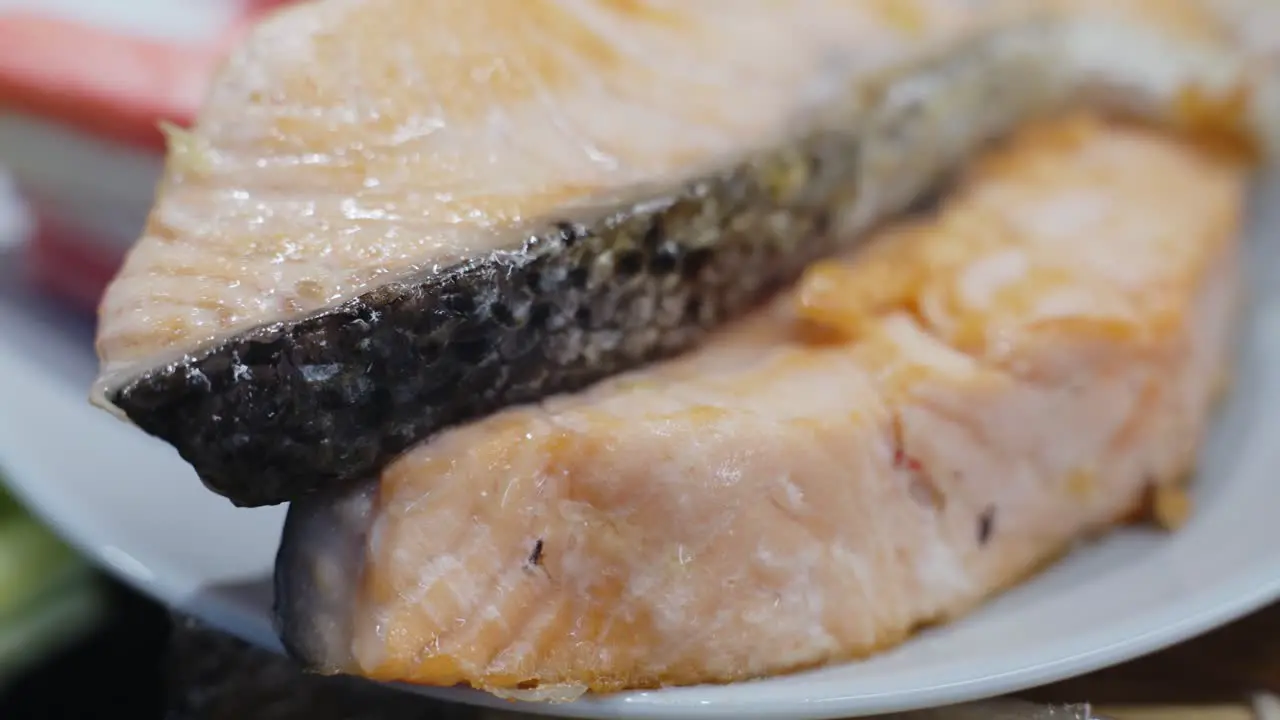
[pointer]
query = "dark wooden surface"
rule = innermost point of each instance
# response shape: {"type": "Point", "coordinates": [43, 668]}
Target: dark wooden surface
{"type": "Point", "coordinates": [116, 671]}
{"type": "Point", "coordinates": [1225, 666]}
{"type": "Point", "coordinates": [142, 666]}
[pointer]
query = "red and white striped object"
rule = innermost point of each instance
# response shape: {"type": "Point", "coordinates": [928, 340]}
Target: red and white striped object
{"type": "Point", "coordinates": [84, 85]}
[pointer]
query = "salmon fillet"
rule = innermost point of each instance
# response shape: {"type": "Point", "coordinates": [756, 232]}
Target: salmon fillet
{"type": "Point", "coordinates": [394, 216]}
{"type": "Point", "coordinates": [914, 427]}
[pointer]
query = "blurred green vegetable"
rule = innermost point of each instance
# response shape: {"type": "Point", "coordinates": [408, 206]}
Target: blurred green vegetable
{"type": "Point", "coordinates": [32, 562]}
{"type": "Point", "coordinates": [49, 596]}
{"type": "Point", "coordinates": [8, 505]}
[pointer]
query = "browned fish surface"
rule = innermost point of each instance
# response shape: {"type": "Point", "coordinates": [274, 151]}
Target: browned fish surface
{"type": "Point", "coordinates": [915, 427]}
{"type": "Point", "coordinates": [393, 216]}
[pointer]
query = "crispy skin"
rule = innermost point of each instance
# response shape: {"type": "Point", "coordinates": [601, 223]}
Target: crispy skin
{"type": "Point", "coordinates": [397, 215]}
{"type": "Point", "coordinates": [912, 428]}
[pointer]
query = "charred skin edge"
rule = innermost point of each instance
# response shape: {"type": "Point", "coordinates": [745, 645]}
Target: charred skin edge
{"type": "Point", "coordinates": [296, 408]}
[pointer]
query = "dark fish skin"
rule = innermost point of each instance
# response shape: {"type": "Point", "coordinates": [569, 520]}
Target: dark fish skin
{"type": "Point", "coordinates": [318, 403]}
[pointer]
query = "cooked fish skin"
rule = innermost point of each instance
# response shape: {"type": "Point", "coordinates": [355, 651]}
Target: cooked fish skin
{"type": "Point", "coordinates": [270, 407]}
{"type": "Point", "coordinates": [917, 425]}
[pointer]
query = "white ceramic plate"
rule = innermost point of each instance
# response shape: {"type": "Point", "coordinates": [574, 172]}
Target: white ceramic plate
{"type": "Point", "coordinates": [134, 506]}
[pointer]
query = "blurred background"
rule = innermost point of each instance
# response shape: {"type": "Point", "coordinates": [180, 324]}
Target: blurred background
{"type": "Point", "coordinates": [84, 86]}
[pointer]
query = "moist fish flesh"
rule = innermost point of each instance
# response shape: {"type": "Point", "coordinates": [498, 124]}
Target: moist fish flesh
{"type": "Point", "coordinates": [914, 427]}
{"type": "Point", "coordinates": [393, 216]}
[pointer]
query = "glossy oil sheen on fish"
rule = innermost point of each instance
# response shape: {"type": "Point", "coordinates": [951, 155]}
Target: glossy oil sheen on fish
{"type": "Point", "coordinates": [915, 426]}
{"type": "Point", "coordinates": [396, 215]}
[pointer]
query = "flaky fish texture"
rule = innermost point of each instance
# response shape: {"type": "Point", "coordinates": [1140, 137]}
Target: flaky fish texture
{"type": "Point", "coordinates": [394, 216]}
{"type": "Point", "coordinates": [915, 426]}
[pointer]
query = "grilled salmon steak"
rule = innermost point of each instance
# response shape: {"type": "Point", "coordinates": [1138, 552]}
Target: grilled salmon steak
{"type": "Point", "coordinates": [914, 426]}
{"type": "Point", "coordinates": [394, 216]}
